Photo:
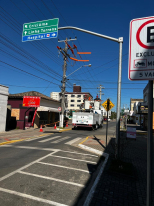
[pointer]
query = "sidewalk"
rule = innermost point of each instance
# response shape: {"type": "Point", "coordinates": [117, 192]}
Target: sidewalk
{"type": "Point", "coordinates": [20, 135]}
{"type": "Point", "coordinates": [117, 189]}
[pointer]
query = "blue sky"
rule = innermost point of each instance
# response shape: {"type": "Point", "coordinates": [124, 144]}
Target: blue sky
{"type": "Point", "coordinates": [40, 61]}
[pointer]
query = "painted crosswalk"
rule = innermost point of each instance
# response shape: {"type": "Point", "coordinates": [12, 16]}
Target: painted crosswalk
{"type": "Point", "coordinates": [46, 140]}
{"type": "Point", "coordinates": [35, 138]}
{"type": "Point", "coordinates": [55, 139]}
{"type": "Point", "coordinates": [73, 141]}
{"type": "Point", "coordinates": [60, 140]}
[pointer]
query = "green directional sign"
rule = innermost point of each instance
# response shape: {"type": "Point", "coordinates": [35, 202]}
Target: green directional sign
{"type": "Point", "coordinates": [40, 30]}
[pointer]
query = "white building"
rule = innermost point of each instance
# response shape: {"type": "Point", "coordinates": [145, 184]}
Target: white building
{"type": "Point", "coordinates": [76, 98]}
{"type": "Point", "coordinates": [105, 112]}
{"type": "Point", "coordinates": [4, 92]}
{"type": "Point", "coordinates": [55, 95]}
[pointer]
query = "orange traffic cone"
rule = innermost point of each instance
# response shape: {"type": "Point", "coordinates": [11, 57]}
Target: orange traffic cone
{"type": "Point", "coordinates": [41, 130]}
{"type": "Point", "coordinates": [66, 124]}
{"type": "Point", "coordinates": [55, 126]}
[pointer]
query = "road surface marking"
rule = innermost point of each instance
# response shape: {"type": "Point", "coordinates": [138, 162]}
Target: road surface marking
{"type": "Point", "coordinates": [31, 197]}
{"type": "Point", "coordinates": [37, 148]}
{"type": "Point", "coordinates": [72, 141]}
{"type": "Point", "coordinates": [73, 159]}
{"type": "Point", "coordinates": [84, 140]}
{"type": "Point", "coordinates": [51, 178]}
{"type": "Point", "coordinates": [28, 165]}
{"type": "Point", "coordinates": [71, 168]}
{"type": "Point", "coordinates": [46, 140]}
{"type": "Point", "coordinates": [78, 153]}
{"type": "Point", "coordinates": [60, 140]}
{"type": "Point", "coordinates": [41, 136]}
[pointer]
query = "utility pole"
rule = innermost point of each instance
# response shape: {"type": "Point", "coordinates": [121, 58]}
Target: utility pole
{"type": "Point", "coordinates": [63, 85]}
{"type": "Point", "coordinates": [65, 55]}
{"type": "Point", "coordinates": [100, 91]}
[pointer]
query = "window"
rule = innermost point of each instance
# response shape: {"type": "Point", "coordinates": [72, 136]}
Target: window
{"type": "Point", "coordinates": [72, 95]}
{"type": "Point", "coordinates": [72, 100]}
{"type": "Point", "coordinates": [78, 105]}
{"type": "Point", "coordinates": [79, 96]}
{"type": "Point", "coordinates": [65, 95]}
{"type": "Point", "coordinates": [78, 100]}
{"type": "Point", "coordinates": [145, 98]}
{"type": "Point", "coordinates": [72, 105]}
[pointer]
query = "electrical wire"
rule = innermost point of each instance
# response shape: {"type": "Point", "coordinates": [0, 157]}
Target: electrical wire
{"type": "Point", "coordinates": [27, 72]}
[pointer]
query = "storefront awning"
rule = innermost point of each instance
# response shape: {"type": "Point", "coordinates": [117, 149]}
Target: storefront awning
{"type": "Point", "coordinates": [46, 109]}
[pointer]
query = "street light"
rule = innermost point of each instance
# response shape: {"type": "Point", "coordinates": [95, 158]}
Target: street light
{"type": "Point", "coordinates": [80, 68]}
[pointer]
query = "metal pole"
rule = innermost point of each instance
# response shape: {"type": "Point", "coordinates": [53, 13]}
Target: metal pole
{"type": "Point", "coordinates": [63, 86]}
{"type": "Point", "coordinates": [150, 144]}
{"type": "Point", "coordinates": [119, 99]}
{"type": "Point", "coordinates": [89, 32]}
{"type": "Point", "coordinates": [59, 120]}
{"type": "Point", "coordinates": [107, 120]}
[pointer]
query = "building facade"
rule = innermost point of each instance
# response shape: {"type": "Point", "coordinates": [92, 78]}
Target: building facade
{"type": "Point", "coordinates": [55, 95]}
{"type": "Point", "coordinates": [76, 98]}
{"type": "Point", "coordinates": [21, 117]}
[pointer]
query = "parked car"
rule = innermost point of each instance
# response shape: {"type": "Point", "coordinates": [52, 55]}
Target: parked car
{"type": "Point", "coordinates": [105, 119]}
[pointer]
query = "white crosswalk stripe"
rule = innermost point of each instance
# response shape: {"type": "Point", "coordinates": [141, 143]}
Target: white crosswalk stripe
{"type": "Point", "coordinates": [32, 139]}
{"type": "Point", "coordinates": [60, 140]}
{"type": "Point", "coordinates": [74, 140]}
{"type": "Point", "coordinates": [46, 140]}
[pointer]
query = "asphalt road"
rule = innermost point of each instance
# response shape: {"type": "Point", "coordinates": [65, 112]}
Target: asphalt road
{"type": "Point", "coordinates": [48, 170]}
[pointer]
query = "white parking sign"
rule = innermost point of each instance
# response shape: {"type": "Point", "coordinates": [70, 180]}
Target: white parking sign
{"type": "Point", "coordinates": [141, 49]}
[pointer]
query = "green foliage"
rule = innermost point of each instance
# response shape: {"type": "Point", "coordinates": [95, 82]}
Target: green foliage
{"type": "Point", "coordinates": [122, 112]}
{"type": "Point", "coordinates": [113, 115]}
{"type": "Point", "coordinates": [70, 113]}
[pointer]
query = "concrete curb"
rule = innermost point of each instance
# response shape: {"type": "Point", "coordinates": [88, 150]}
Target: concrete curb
{"type": "Point", "coordinates": [92, 190]}
{"type": "Point", "coordinates": [63, 130]}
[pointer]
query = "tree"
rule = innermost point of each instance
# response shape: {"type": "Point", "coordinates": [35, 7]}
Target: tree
{"type": "Point", "coordinates": [113, 115]}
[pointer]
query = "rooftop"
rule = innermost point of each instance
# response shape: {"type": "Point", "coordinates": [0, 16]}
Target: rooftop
{"type": "Point", "coordinates": [31, 93]}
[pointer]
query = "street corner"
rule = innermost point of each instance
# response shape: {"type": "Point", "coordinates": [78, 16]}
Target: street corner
{"type": "Point", "coordinates": [92, 140]}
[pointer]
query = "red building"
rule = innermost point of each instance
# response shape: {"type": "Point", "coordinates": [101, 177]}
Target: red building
{"type": "Point", "coordinates": [20, 117]}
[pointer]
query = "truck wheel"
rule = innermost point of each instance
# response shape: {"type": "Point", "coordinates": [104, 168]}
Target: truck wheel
{"type": "Point", "coordinates": [96, 126]}
{"type": "Point", "coordinates": [101, 125]}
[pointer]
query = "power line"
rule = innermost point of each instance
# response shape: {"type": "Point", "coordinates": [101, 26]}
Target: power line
{"type": "Point", "coordinates": [28, 73]}
{"type": "Point", "coordinates": [25, 54]}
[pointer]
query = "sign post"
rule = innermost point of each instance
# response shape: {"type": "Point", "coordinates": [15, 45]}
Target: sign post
{"type": "Point", "coordinates": [107, 105]}
{"type": "Point", "coordinates": [141, 67]}
{"type": "Point", "coordinates": [40, 30]}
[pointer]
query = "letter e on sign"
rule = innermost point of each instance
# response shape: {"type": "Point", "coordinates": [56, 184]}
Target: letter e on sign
{"type": "Point", "coordinates": [141, 49]}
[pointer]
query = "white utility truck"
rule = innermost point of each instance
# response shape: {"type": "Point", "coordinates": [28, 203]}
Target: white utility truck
{"type": "Point", "coordinates": [89, 116]}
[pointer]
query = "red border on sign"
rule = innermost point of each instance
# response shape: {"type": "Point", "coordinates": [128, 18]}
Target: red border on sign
{"type": "Point", "coordinates": [130, 44]}
{"type": "Point", "coordinates": [138, 35]}
{"type": "Point", "coordinates": [140, 59]}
